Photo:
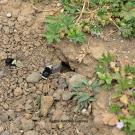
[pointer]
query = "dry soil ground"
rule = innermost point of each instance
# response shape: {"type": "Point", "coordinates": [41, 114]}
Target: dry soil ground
{"type": "Point", "coordinates": [21, 29]}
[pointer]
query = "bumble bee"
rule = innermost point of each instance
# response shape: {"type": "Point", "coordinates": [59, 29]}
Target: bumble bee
{"type": "Point", "coordinates": [47, 71]}
{"type": "Point", "coordinates": [10, 62]}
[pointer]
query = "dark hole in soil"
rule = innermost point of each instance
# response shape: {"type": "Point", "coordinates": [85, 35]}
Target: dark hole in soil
{"type": "Point", "coordinates": [65, 67]}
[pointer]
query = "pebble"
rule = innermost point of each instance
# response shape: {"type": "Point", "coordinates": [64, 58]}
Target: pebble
{"type": "Point", "coordinates": [75, 79]}
{"type": "Point", "coordinates": [1, 73]}
{"type": "Point", "coordinates": [27, 116]}
{"type": "Point", "coordinates": [3, 55]}
{"type": "Point", "coordinates": [18, 92]}
{"type": "Point", "coordinates": [57, 114]}
{"type": "Point", "coordinates": [5, 133]}
{"type": "Point", "coordinates": [85, 112]}
{"type": "Point", "coordinates": [5, 106]}
{"type": "Point", "coordinates": [46, 103]}
{"type": "Point", "coordinates": [34, 77]}
{"type": "Point", "coordinates": [3, 1]}
{"type": "Point", "coordinates": [31, 132]}
{"type": "Point", "coordinates": [66, 95]}
{"type": "Point", "coordinates": [64, 117]}
{"type": "Point", "coordinates": [3, 116]}
{"type": "Point", "coordinates": [1, 129]}
{"type": "Point", "coordinates": [57, 94]}
{"type": "Point", "coordinates": [116, 131]}
{"type": "Point", "coordinates": [9, 15]}
{"type": "Point", "coordinates": [62, 83]}
{"type": "Point", "coordinates": [11, 114]}
{"type": "Point", "coordinates": [27, 124]}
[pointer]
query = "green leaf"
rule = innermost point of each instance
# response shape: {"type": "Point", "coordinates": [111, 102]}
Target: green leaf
{"type": "Point", "coordinates": [83, 97]}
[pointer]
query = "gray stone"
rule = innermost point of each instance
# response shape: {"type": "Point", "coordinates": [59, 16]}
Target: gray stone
{"type": "Point", "coordinates": [1, 73]}
{"type": "Point", "coordinates": [11, 114]}
{"type": "Point", "coordinates": [31, 132]}
{"type": "Point", "coordinates": [75, 79]}
{"type": "Point", "coordinates": [27, 124]}
{"type": "Point", "coordinates": [46, 103]}
{"type": "Point", "coordinates": [5, 133]}
{"type": "Point", "coordinates": [64, 117]}
{"type": "Point", "coordinates": [66, 95]}
{"type": "Point", "coordinates": [34, 77]}
{"type": "Point", "coordinates": [62, 83]}
{"type": "Point", "coordinates": [3, 116]}
{"type": "Point", "coordinates": [16, 3]}
{"type": "Point", "coordinates": [57, 94]}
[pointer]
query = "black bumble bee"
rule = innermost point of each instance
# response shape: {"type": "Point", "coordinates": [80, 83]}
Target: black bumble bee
{"type": "Point", "coordinates": [10, 62]}
{"type": "Point", "coordinates": [47, 72]}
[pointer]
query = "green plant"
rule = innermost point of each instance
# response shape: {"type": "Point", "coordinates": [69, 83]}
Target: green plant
{"type": "Point", "coordinates": [129, 125]}
{"type": "Point", "coordinates": [121, 80]}
{"type": "Point", "coordinates": [123, 84]}
{"type": "Point", "coordinates": [84, 93]}
{"type": "Point", "coordinates": [133, 94]}
{"type": "Point", "coordinates": [129, 69]}
{"type": "Point", "coordinates": [131, 108]}
{"type": "Point", "coordinates": [114, 108]}
{"type": "Point", "coordinates": [58, 27]}
{"type": "Point", "coordinates": [75, 35]}
{"type": "Point", "coordinates": [37, 101]}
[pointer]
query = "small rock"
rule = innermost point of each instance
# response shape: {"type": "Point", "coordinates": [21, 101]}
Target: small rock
{"type": "Point", "coordinates": [3, 2]}
{"type": "Point", "coordinates": [34, 77]}
{"type": "Point", "coordinates": [11, 114]}
{"type": "Point", "coordinates": [27, 124]}
{"type": "Point", "coordinates": [64, 117]}
{"type": "Point", "coordinates": [19, 64]}
{"type": "Point", "coordinates": [27, 116]}
{"type": "Point", "coordinates": [98, 51]}
{"type": "Point", "coordinates": [57, 94]}
{"type": "Point", "coordinates": [62, 83]}
{"type": "Point", "coordinates": [31, 132]}
{"type": "Point", "coordinates": [102, 100]}
{"type": "Point", "coordinates": [12, 128]}
{"type": "Point", "coordinates": [1, 129]}
{"type": "Point", "coordinates": [5, 106]}
{"type": "Point", "coordinates": [18, 92]}
{"type": "Point", "coordinates": [1, 73]}
{"type": "Point", "coordinates": [57, 115]}
{"type": "Point", "coordinates": [9, 15]}
{"type": "Point", "coordinates": [109, 119]}
{"type": "Point", "coordinates": [75, 79]}
{"type": "Point", "coordinates": [5, 133]}
{"type": "Point", "coordinates": [90, 109]}
{"type": "Point", "coordinates": [116, 131]}
{"type": "Point", "coordinates": [41, 124]}
{"type": "Point", "coordinates": [66, 95]}
{"type": "Point", "coordinates": [17, 3]}
{"type": "Point", "coordinates": [124, 99]}
{"type": "Point", "coordinates": [3, 116]}
{"type": "Point", "coordinates": [46, 103]}
{"type": "Point", "coordinates": [3, 55]}
{"type": "Point", "coordinates": [85, 112]}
